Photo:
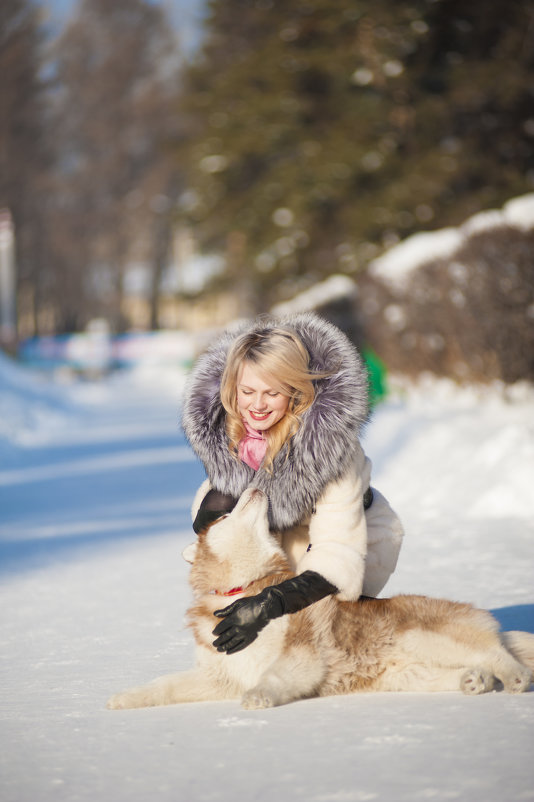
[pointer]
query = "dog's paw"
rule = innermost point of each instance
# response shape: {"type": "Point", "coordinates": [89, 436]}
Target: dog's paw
{"type": "Point", "coordinates": [517, 681]}
{"type": "Point", "coordinates": [476, 681]}
{"type": "Point", "coordinates": [117, 702]}
{"type": "Point", "coordinates": [127, 700]}
{"type": "Point", "coordinates": [257, 699]}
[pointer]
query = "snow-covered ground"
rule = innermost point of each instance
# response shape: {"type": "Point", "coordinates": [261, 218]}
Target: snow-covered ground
{"type": "Point", "coordinates": [95, 487]}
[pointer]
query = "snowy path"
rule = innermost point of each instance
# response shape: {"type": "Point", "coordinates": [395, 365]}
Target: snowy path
{"type": "Point", "coordinates": [94, 512]}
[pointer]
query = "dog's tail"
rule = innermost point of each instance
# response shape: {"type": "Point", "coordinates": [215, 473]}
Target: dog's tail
{"type": "Point", "coordinates": [521, 646]}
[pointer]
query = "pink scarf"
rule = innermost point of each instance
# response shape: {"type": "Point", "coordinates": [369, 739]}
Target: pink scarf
{"type": "Point", "coordinates": [252, 447]}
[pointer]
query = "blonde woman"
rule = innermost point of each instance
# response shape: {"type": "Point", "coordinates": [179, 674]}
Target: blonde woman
{"type": "Point", "coordinates": [280, 405]}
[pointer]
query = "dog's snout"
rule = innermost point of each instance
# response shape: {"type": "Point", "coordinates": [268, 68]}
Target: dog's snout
{"type": "Point", "coordinates": [252, 495]}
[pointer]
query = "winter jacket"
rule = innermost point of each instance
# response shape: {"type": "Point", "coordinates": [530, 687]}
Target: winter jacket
{"type": "Point", "coordinates": [318, 479]}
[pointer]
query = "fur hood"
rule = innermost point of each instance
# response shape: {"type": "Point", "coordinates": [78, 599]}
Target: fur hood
{"type": "Point", "coordinates": [323, 447]}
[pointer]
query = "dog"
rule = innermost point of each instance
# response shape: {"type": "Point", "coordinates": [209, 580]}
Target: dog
{"type": "Point", "coordinates": [406, 643]}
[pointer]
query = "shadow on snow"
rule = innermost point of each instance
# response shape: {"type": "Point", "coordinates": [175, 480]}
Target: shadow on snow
{"type": "Point", "coordinates": [518, 616]}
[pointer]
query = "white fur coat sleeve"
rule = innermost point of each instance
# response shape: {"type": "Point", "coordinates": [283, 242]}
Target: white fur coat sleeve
{"type": "Point", "coordinates": [338, 532]}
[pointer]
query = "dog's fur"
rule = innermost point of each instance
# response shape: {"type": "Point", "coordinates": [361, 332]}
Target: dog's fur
{"type": "Point", "coordinates": [406, 643]}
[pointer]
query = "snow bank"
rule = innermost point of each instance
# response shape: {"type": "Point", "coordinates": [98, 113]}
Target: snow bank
{"type": "Point", "coordinates": [331, 289]}
{"type": "Point", "coordinates": [28, 402]}
{"type": "Point", "coordinates": [396, 265]}
{"type": "Point", "coordinates": [470, 447]}
{"type": "Point", "coordinates": [39, 407]}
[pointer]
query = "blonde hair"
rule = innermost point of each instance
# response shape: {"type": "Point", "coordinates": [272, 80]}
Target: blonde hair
{"type": "Point", "coordinates": [280, 356]}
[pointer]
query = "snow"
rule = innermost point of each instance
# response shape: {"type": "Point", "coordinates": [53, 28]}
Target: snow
{"type": "Point", "coordinates": [395, 266]}
{"type": "Point", "coordinates": [96, 482]}
{"type": "Point", "coordinates": [331, 289]}
{"type": "Point", "coordinates": [519, 212]}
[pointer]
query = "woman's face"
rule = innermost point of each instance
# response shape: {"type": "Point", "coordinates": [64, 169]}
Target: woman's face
{"type": "Point", "coordinates": [259, 403]}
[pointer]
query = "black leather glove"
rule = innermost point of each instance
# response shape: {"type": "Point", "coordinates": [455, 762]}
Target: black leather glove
{"type": "Point", "coordinates": [245, 618]}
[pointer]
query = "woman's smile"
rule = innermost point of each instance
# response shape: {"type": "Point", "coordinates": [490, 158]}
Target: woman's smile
{"type": "Point", "coordinates": [259, 415]}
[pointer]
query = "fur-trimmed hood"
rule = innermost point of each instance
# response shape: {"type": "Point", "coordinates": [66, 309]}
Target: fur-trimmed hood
{"type": "Point", "coordinates": [322, 449]}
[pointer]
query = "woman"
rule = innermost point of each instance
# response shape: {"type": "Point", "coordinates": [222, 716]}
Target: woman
{"type": "Point", "coordinates": [280, 405]}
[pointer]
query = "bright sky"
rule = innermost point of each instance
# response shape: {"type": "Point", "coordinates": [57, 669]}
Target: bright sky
{"type": "Point", "coordinates": [185, 14]}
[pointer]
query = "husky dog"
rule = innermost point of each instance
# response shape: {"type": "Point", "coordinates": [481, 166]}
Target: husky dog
{"type": "Point", "coordinates": [406, 643]}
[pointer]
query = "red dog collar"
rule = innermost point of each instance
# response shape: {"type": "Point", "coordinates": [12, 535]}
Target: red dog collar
{"type": "Point", "coordinates": [232, 592]}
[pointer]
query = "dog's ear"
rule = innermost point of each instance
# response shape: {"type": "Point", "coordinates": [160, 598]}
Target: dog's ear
{"type": "Point", "coordinates": [190, 552]}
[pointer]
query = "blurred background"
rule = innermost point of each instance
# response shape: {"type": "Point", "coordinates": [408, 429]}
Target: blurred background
{"type": "Point", "coordinates": [167, 167]}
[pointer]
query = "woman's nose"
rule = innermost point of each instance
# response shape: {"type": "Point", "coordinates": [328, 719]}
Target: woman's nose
{"type": "Point", "coordinates": [260, 402]}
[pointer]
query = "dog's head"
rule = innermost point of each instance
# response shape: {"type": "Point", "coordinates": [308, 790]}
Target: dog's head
{"type": "Point", "coordinates": [237, 548]}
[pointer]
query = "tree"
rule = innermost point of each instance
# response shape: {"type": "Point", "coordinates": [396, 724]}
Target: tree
{"type": "Point", "coordinates": [322, 130]}
{"type": "Point", "coordinates": [24, 156]}
{"type": "Point", "coordinates": [115, 125]}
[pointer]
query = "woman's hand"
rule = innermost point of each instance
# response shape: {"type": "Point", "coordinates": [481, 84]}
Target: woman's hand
{"type": "Point", "coordinates": [242, 621]}
{"type": "Point", "coordinates": [245, 618]}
